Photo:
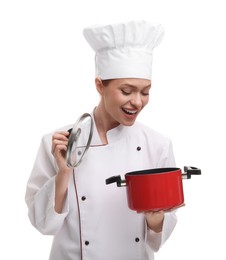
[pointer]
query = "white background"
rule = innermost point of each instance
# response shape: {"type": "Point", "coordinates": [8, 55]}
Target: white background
{"type": "Point", "coordinates": [47, 81]}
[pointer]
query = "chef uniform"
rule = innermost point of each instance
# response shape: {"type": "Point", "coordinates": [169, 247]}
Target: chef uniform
{"type": "Point", "coordinates": [96, 223]}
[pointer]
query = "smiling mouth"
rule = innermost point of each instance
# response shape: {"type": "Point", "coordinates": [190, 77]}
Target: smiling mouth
{"type": "Point", "coordinates": [129, 112]}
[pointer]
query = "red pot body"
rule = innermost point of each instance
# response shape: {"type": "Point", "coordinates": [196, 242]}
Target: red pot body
{"type": "Point", "coordinates": [155, 189]}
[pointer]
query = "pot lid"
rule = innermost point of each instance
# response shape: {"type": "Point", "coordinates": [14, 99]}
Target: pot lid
{"type": "Point", "coordinates": [79, 140]}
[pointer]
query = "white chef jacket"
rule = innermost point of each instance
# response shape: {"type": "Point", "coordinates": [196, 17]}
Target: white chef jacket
{"type": "Point", "coordinates": [109, 229]}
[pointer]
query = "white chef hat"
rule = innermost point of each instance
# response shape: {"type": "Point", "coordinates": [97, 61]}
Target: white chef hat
{"type": "Point", "coordinates": [124, 50]}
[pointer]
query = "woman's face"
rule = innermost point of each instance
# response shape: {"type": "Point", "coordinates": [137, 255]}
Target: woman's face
{"type": "Point", "coordinates": [123, 99]}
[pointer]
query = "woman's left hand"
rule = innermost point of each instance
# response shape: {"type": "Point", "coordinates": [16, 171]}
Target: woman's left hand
{"type": "Point", "coordinates": [155, 220]}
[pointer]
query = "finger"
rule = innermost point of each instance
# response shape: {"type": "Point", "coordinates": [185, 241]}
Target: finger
{"type": "Point", "coordinates": [59, 150]}
{"type": "Point", "coordinates": [58, 144]}
{"type": "Point", "coordinates": [151, 213]}
{"type": "Point", "coordinates": [62, 132]}
{"type": "Point", "coordinates": [59, 141]}
{"type": "Point", "coordinates": [60, 136]}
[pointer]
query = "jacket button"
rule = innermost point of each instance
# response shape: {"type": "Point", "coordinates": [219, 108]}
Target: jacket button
{"type": "Point", "coordinates": [86, 243]}
{"type": "Point", "coordinates": [83, 198]}
{"type": "Point", "coordinates": [138, 148]}
{"type": "Point", "coordinates": [137, 239]}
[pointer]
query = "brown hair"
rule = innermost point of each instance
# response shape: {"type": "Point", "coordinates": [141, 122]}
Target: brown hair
{"type": "Point", "coordinates": [106, 82]}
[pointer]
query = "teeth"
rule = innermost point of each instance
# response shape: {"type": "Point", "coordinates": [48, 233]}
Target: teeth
{"type": "Point", "coordinates": [130, 111]}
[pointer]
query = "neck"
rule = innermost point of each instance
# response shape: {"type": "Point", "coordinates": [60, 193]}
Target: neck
{"type": "Point", "coordinates": [104, 123]}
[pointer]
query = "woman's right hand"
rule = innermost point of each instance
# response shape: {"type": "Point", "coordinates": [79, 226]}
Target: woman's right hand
{"type": "Point", "coordinates": [59, 148]}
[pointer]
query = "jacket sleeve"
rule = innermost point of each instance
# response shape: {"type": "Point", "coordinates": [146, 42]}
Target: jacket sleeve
{"type": "Point", "coordinates": [156, 240]}
{"type": "Point", "coordinates": [40, 192]}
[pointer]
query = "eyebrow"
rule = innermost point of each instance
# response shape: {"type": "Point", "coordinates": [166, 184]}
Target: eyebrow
{"type": "Point", "coordinates": [133, 86]}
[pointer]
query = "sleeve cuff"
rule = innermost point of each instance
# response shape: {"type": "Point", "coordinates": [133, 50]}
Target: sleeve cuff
{"type": "Point", "coordinates": [156, 240]}
{"type": "Point", "coordinates": [50, 221]}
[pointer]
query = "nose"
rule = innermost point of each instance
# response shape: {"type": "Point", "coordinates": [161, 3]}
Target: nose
{"type": "Point", "coordinates": [136, 101]}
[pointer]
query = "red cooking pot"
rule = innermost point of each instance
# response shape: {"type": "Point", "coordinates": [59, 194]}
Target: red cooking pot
{"type": "Point", "coordinates": [155, 189]}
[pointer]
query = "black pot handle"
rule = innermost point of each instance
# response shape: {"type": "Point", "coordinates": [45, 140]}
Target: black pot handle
{"type": "Point", "coordinates": [189, 170]}
{"type": "Point", "coordinates": [116, 179]}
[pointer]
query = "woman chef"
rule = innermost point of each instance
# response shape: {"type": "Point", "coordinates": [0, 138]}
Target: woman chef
{"type": "Point", "coordinates": [90, 220]}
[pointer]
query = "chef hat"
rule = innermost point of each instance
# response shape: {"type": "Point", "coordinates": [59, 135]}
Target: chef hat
{"type": "Point", "coordinates": [124, 50]}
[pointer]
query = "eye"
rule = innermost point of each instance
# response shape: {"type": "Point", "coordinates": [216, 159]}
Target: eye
{"type": "Point", "coordinates": [145, 93]}
{"type": "Point", "coordinates": [126, 92]}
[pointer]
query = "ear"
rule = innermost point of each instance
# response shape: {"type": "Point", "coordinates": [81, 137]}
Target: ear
{"type": "Point", "coordinates": [99, 86]}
